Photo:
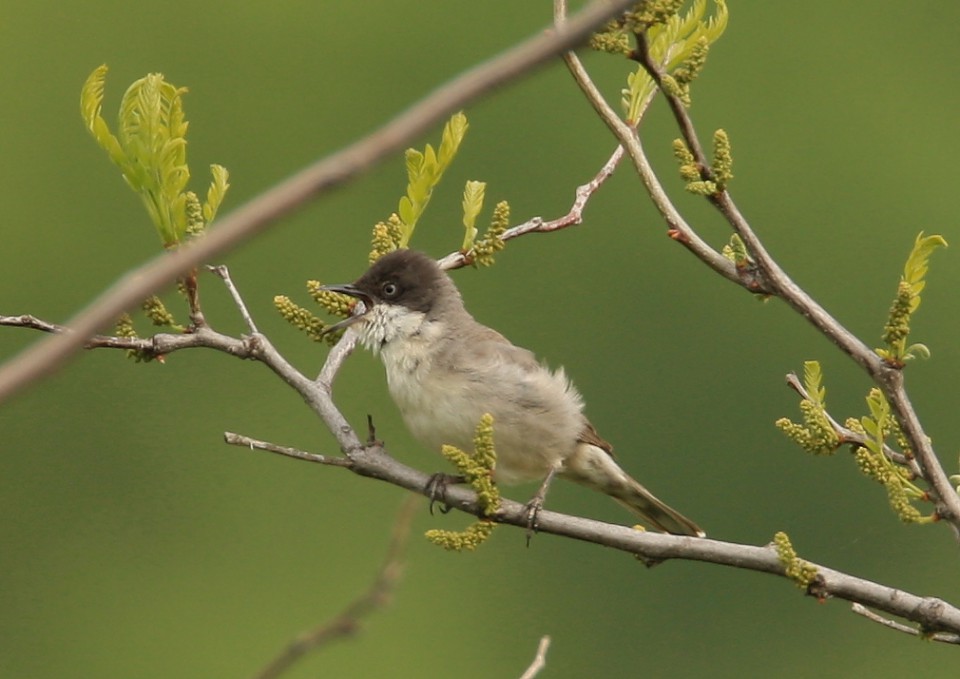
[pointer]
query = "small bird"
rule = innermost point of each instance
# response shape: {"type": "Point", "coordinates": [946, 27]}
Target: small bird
{"type": "Point", "coordinates": [445, 371]}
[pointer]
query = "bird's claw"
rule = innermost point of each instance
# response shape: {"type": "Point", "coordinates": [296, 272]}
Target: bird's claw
{"type": "Point", "coordinates": [533, 508]}
{"type": "Point", "coordinates": [436, 490]}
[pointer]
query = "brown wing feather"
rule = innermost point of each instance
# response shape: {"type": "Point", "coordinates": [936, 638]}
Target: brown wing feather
{"type": "Point", "coordinates": [590, 435]}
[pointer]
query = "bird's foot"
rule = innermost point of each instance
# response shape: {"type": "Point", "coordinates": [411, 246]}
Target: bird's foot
{"type": "Point", "coordinates": [535, 503]}
{"type": "Point", "coordinates": [533, 508]}
{"type": "Point", "coordinates": [436, 490]}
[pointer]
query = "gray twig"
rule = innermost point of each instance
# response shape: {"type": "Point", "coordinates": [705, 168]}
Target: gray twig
{"type": "Point", "coordinates": [224, 273]}
{"type": "Point", "coordinates": [348, 622]}
{"type": "Point", "coordinates": [283, 199]}
{"type": "Point", "coordinates": [539, 660]}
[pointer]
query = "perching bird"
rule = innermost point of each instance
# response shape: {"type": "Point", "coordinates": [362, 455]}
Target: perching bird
{"type": "Point", "coordinates": [445, 370]}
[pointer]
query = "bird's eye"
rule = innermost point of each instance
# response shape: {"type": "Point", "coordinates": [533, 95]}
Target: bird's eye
{"type": "Point", "coordinates": [390, 289]}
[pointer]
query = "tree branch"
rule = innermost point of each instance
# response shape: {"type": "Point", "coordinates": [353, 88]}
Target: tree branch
{"type": "Point", "coordinates": [348, 622]}
{"type": "Point", "coordinates": [929, 613]}
{"type": "Point", "coordinates": [768, 277]}
{"type": "Point", "coordinates": [539, 660]}
{"type": "Point", "coordinates": [283, 199]}
{"type": "Point", "coordinates": [574, 216]}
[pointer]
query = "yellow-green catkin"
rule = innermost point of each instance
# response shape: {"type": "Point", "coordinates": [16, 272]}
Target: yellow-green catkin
{"type": "Point", "coordinates": [386, 237]}
{"type": "Point", "coordinates": [492, 241]}
{"type": "Point", "coordinates": [897, 327]}
{"type": "Point", "coordinates": [460, 541]}
{"type": "Point", "coordinates": [334, 303]}
{"type": "Point", "coordinates": [477, 469]}
{"type": "Point", "coordinates": [194, 210]}
{"type": "Point", "coordinates": [124, 328]}
{"type": "Point", "coordinates": [801, 572]}
{"type": "Point", "coordinates": [815, 435]}
{"type": "Point", "coordinates": [722, 158]}
{"type": "Point", "coordinates": [301, 318]}
{"type": "Point", "coordinates": [158, 314]}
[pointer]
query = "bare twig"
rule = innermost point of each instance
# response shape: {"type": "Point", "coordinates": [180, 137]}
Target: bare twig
{"type": "Point", "coordinates": [156, 345]}
{"type": "Point", "coordinates": [253, 444]}
{"type": "Point", "coordinates": [539, 660]}
{"type": "Point", "coordinates": [47, 355]}
{"type": "Point", "coordinates": [774, 280]}
{"type": "Point", "coordinates": [374, 462]}
{"type": "Point", "coordinates": [224, 273]}
{"type": "Point", "coordinates": [348, 622]}
{"type": "Point", "coordinates": [677, 226]}
{"type": "Point", "coordinates": [931, 613]}
{"type": "Point", "coordinates": [338, 354]}
{"type": "Point", "coordinates": [945, 637]}
{"type": "Point", "coordinates": [573, 217]}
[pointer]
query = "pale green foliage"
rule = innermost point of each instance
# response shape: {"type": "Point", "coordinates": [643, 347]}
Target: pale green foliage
{"type": "Point", "coordinates": [216, 192]}
{"type": "Point", "coordinates": [678, 43]}
{"type": "Point", "coordinates": [912, 282]}
{"type": "Point", "coordinates": [477, 469]}
{"type": "Point", "coordinates": [815, 435]}
{"type": "Point", "coordinates": [736, 251]}
{"type": "Point", "coordinates": [803, 573]}
{"type": "Point", "coordinates": [877, 427]}
{"type": "Point", "coordinates": [151, 149]}
{"type": "Point", "coordinates": [473, 194]}
{"type": "Point", "coordinates": [424, 170]}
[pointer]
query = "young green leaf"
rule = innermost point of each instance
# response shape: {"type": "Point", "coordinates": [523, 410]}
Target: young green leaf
{"type": "Point", "coordinates": [472, 204]}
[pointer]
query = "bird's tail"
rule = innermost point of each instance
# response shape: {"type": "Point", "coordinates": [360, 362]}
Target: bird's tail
{"type": "Point", "coordinates": [595, 468]}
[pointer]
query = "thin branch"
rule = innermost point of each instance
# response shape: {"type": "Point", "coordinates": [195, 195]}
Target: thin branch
{"type": "Point", "coordinates": [848, 436]}
{"type": "Point", "coordinates": [284, 198]}
{"type": "Point", "coordinates": [573, 217]}
{"type": "Point", "coordinates": [224, 273]}
{"type": "Point", "coordinates": [677, 226]}
{"type": "Point", "coordinates": [338, 354]}
{"type": "Point", "coordinates": [160, 344]}
{"type": "Point", "coordinates": [776, 281]}
{"type": "Point", "coordinates": [929, 612]}
{"type": "Point", "coordinates": [348, 622]}
{"type": "Point", "coordinates": [539, 660]}
{"type": "Point", "coordinates": [253, 444]}
{"type": "Point", "coordinates": [372, 460]}
{"type": "Point", "coordinates": [900, 627]}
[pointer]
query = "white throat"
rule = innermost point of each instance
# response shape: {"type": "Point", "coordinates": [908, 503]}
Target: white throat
{"type": "Point", "coordinates": [386, 323]}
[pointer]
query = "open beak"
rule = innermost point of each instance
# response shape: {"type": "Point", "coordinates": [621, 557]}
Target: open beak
{"type": "Point", "coordinates": [363, 305]}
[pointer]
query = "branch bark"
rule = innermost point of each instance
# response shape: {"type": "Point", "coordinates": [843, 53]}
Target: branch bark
{"type": "Point", "coordinates": [46, 356]}
{"type": "Point", "coordinates": [767, 276]}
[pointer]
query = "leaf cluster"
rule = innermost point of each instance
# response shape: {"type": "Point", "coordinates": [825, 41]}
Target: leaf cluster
{"type": "Point", "coordinates": [912, 282]}
{"type": "Point", "coordinates": [150, 149]}
{"type": "Point", "coordinates": [873, 453]}
{"type": "Point", "coordinates": [677, 43]}
{"type": "Point", "coordinates": [816, 434]}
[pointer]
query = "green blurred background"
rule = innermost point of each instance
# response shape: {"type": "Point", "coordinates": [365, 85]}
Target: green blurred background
{"type": "Point", "coordinates": [134, 543]}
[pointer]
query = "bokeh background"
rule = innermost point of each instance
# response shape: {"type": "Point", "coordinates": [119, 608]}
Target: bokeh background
{"type": "Point", "coordinates": [134, 543]}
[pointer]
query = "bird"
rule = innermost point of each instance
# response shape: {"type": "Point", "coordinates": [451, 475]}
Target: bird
{"type": "Point", "coordinates": [445, 370]}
